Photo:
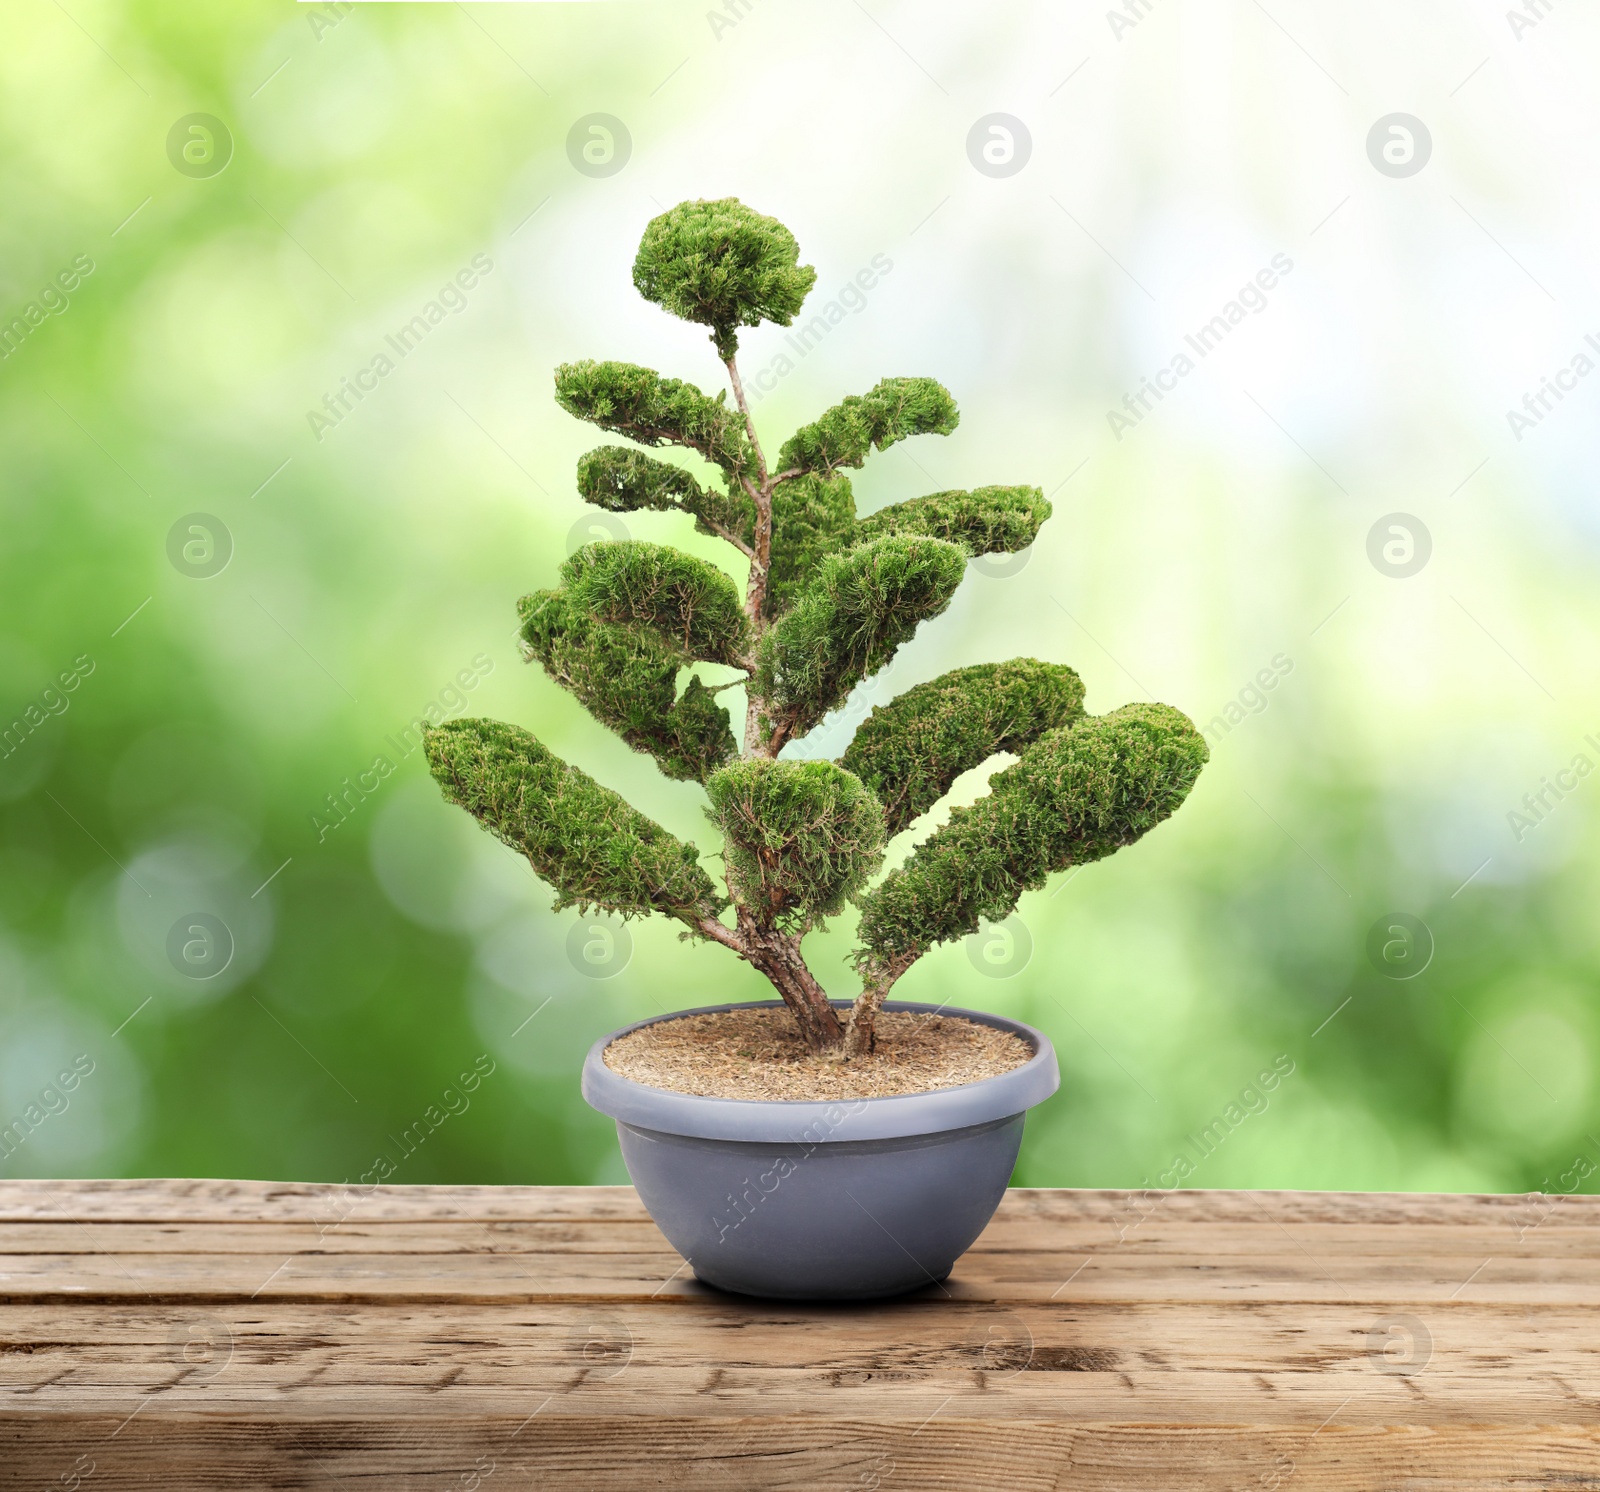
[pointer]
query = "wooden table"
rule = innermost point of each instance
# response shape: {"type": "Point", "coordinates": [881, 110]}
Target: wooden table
{"type": "Point", "coordinates": [215, 1334]}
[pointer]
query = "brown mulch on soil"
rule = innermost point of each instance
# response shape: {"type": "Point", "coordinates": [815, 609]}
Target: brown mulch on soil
{"type": "Point", "coordinates": [759, 1054]}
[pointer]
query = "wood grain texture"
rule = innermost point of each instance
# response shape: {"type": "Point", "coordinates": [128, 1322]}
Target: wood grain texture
{"type": "Point", "coordinates": [209, 1335]}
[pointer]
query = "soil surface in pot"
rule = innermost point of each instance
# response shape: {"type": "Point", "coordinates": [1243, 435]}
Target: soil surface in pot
{"type": "Point", "coordinates": [758, 1054]}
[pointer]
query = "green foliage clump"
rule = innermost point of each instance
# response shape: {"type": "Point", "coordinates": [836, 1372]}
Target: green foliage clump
{"type": "Point", "coordinates": [988, 520]}
{"type": "Point", "coordinates": [1076, 795]}
{"type": "Point", "coordinates": [723, 265]}
{"type": "Point", "coordinates": [894, 409]}
{"type": "Point", "coordinates": [622, 480]}
{"type": "Point", "coordinates": [584, 839]}
{"type": "Point", "coordinates": [812, 517]}
{"type": "Point", "coordinates": [626, 677]}
{"type": "Point", "coordinates": [909, 751]}
{"type": "Point", "coordinates": [801, 837]}
{"type": "Point", "coordinates": [848, 621]}
{"type": "Point", "coordinates": [639, 403]}
{"type": "Point", "coordinates": [691, 603]}
{"type": "Point", "coordinates": [815, 516]}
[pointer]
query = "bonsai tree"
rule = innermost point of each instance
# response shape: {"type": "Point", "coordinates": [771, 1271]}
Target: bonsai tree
{"type": "Point", "coordinates": [827, 599]}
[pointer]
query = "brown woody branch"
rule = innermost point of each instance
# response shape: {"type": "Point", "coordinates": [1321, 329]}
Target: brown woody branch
{"type": "Point", "coordinates": [879, 979]}
{"type": "Point", "coordinates": [759, 943]}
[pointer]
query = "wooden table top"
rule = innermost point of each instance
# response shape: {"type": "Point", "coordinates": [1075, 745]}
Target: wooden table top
{"type": "Point", "coordinates": [223, 1334]}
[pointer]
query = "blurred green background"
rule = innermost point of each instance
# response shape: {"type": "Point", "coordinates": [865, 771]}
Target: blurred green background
{"type": "Point", "coordinates": [373, 559]}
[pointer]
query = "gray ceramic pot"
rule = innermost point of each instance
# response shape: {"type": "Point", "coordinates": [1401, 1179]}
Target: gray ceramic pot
{"type": "Point", "coordinates": [823, 1201]}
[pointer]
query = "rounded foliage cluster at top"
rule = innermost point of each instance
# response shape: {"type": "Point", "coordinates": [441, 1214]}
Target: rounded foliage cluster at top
{"type": "Point", "coordinates": [801, 836]}
{"type": "Point", "coordinates": [723, 265]}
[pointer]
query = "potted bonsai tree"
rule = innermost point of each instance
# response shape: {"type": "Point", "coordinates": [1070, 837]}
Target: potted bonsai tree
{"type": "Point", "coordinates": [858, 1173]}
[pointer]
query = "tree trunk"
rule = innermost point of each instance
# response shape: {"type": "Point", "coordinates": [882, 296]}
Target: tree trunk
{"type": "Point", "coordinates": [764, 947]}
{"type": "Point", "coordinates": [861, 1036]}
{"type": "Point", "coordinates": [777, 955]}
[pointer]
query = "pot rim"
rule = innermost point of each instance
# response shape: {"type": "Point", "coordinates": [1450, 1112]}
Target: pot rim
{"type": "Point", "coordinates": [797, 1121]}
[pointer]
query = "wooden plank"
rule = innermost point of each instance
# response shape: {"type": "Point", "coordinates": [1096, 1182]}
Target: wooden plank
{"type": "Point", "coordinates": [1567, 1236]}
{"type": "Point", "coordinates": [624, 1455]}
{"type": "Point", "coordinates": [1282, 1364]}
{"type": "Point", "coordinates": [238, 1334]}
{"type": "Point", "coordinates": [197, 1200]}
{"type": "Point", "coordinates": [509, 1279]}
{"type": "Point", "coordinates": [267, 1201]}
